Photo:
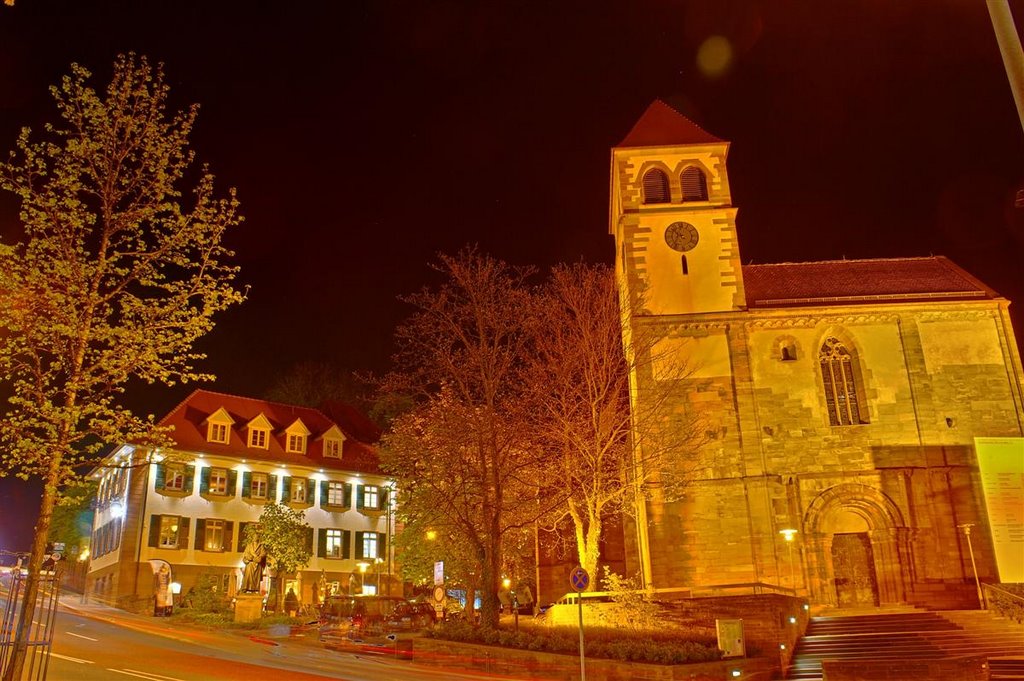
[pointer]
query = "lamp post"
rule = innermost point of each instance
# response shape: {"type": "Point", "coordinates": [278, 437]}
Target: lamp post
{"type": "Point", "coordinates": [362, 575]}
{"type": "Point", "coordinates": [377, 562]}
{"type": "Point", "coordinates": [790, 534]}
{"type": "Point", "coordinates": [966, 527]}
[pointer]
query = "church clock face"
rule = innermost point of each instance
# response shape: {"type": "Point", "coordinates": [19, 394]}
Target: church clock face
{"type": "Point", "coordinates": [681, 236]}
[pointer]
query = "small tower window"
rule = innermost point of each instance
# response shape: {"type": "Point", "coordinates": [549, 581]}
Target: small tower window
{"type": "Point", "coordinates": [787, 351]}
{"type": "Point", "coordinates": [695, 185]}
{"type": "Point", "coordinates": [837, 373]}
{"type": "Point", "coordinates": [656, 187]}
{"type": "Point", "coordinates": [686, 266]}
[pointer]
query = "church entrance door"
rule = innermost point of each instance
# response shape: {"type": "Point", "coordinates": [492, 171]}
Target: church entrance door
{"type": "Point", "coordinates": [854, 565]}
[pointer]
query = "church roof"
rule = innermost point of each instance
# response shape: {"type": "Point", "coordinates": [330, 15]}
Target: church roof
{"type": "Point", "coordinates": [859, 282]}
{"type": "Point", "coordinates": [663, 126]}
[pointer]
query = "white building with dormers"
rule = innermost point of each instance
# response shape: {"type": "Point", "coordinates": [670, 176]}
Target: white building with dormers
{"type": "Point", "coordinates": [231, 456]}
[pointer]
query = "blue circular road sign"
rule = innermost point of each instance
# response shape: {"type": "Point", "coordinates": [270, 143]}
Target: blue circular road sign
{"type": "Point", "coordinates": [579, 579]}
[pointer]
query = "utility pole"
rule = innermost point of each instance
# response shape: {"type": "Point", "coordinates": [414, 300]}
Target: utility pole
{"type": "Point", "coordinates": [1010, 49]}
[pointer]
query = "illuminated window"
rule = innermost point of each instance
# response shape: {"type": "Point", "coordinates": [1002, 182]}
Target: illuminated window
{"type": "Point", "coordinates": [296, 443]}
{"type": "Point", "coordinates": [218, 433]}
{"type": "Point", "coordinates": [695, 185]}
{"type": "Point", "coordinates": [299, 490]}
{"type": "Point", "coordinates": [332, 448]}
{"type": "Point", "coordinates": [371, 497]}
{"type": "Point", "coordinates": [214, 539]}
{"type": "Point", "coordinates": [218, 481]}
{"type": "Point", "coordinates": [656, 187]}
{"type": "Point", "coordinates": [258, 438]}
{"type": "Point", "coordinates": [837, 373]}
{"type": "Point", "coordinates": [370, 544]}
{"type": "Point", "coordinates": [174, 478]}
{"type": "Point", "coordinates": [334, 543]}
{"type": "Point", "coordinates": [169, 531]}
{"type": "Point", "coordinates": [258, 486]}
{"type": "Point", "coordinates": [336, 493]}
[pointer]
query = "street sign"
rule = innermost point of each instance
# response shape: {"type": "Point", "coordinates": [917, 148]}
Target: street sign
{"type": "Point", "coordinates": [579, 579]}
{"type": "Point", "coordinates": [439, 594]}
{"type": "Point", "coordinates": [439, 573]}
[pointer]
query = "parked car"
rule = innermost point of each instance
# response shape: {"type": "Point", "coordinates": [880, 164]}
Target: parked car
{"type": "Point", "coordinates": [411, 616]}
{"type": "Point", "coordinates": [357, 616]}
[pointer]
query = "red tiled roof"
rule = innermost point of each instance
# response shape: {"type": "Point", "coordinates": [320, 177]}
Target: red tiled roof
{"type": "Point", "coordinates": [352, 421]}
{"type": "Point", "coordinates": [860, 281]}
{"type": "Point", "coordinates": [190, 430]}
{"type": "Point", "coordinates": [663, 126]}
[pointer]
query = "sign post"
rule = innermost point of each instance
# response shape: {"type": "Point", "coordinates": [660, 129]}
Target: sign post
{"type": "Point", "coordinates": [580, 580]}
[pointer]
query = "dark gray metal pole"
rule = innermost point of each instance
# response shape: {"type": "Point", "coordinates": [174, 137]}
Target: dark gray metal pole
{"type": "Point", "coordinates": [1010, 48]}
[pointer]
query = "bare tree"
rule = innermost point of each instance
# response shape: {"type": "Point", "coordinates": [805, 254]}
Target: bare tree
{"type": "Point", "coordinates": [605, 449]}
{"type": "Point", "coordinates": [462, 455]}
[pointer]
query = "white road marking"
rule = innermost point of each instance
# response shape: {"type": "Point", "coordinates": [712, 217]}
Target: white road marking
{"type": "Point", "coordinates": [71, 659]}
{"type": "Point", "coordinates": [144, 675]}
{"type": "Point", "coordinates": [87, 638]}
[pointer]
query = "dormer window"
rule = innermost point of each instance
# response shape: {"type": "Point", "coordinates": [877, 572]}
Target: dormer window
{"type": "Point", "coordinates": [296, 443]}
{"type": "Point", "coordinates": [218, 427]}
{"type": "Point", "coordinates": [295, 437]}
{"type": "Point", "coordinates": [259, 432]}
{"type": "Point", "coordinates": [258, 438]}
{"type": "Point", "coordinates": [332, 448]}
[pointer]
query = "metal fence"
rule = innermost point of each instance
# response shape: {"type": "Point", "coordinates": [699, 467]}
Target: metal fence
{"type": "Point", "coordinates": [38, 634]}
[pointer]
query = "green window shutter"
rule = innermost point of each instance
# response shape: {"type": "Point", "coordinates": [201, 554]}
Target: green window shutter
{"type": "Point", "coordinates": [357, 550]}
{"type": "Point", "coordinates": [246, 484]}
{"type": "Point", "coordinates": [286, 489]}
{"type": "Point", "coordinates": [200, 533]}
{"type": "Point", "coordinates": [228, 534]}
{"type": "Point", "coordinates": [382, 492]}
{"type": "Point", "coordinates": [310, 491]}
{"type": "Point", "coordinates": [183, 528]}
{"type": "Point", "coordinates": [359, 498]}
{"type": "Point", "coordinates": [324, 486]}
{"type": "Point", "coordinates": [382, 545]}
{"type": "Point", "coordinates": [190, 476]}
{"type": "Point", "coordinates": [154, 530]}
{"type": "Point", "coordinates": [204, 480]}
{"type": "Point", "coordinates": [348, 495]}
{"type": "Point", "coordinates": [232, 482]}
{"type": "Point", "coordinates": [161, 475]}
{"type": "Point", "coordinates": [321, 542]}
{"type": "Point", "coordinates": [242, 527]}
{"type": "Point", "coordinates": [346, 540]}
{"type": "Point", "coordinates": [309, 539]}
{"type": "Point", "coordinates": [272, 490]}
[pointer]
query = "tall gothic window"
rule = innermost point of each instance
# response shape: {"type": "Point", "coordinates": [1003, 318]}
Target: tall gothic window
{"type": "Point", "coordinates": [695, 185]}
{"type": "Point", "coordinates": [837, 373]}
{"type": "Point", "coordinates": [656, 187]}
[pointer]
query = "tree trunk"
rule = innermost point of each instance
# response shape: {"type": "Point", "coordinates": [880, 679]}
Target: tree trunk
{"type": "Point", "coordinates": [35, 561]}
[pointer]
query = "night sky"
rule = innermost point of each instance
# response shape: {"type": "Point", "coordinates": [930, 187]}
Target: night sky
{"type": "Point", "coordinates": [365, 137]}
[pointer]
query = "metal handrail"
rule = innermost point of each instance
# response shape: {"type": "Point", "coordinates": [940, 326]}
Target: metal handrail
{"type": "Point", "coordinates": [986, 585]}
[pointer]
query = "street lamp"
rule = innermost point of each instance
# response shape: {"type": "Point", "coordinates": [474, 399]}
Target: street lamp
{"type": "Point", "coordinates": [376, 572]}
{"type": "Point", "coordinates": [790, 534]}
{"type": "Point", "coordinates": [362, 575]}
{"type": "Point", "coordinates": [966, 527]}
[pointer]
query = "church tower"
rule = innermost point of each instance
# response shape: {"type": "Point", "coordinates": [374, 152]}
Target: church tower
{"type": "Point", "coordinates": [672, 218]}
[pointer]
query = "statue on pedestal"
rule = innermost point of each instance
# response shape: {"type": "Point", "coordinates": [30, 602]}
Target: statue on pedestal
{"type": "Point", "coordinates": [255, 559]}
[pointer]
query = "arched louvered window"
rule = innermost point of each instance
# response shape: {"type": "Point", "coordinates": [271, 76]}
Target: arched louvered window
{"type": "Point", "coordinates": [837, 373]}
{"type": "Point", "coordinates": [656, 187]}
{"type": "Point", "coordinates": [695, 185]}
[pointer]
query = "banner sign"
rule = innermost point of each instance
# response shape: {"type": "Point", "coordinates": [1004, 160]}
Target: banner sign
{"type": "Point", "coordinates": [1001, 462]}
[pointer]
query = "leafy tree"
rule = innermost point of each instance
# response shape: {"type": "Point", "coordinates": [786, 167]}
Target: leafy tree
{"type": "Point", "coordinates": [71, 523]}
{"type": "Point", "coordinates": [597, 440]}
{"type": "Point", "coordinates": [461, 455]}
{"type": "Point", "coordinates": [310, 384]}
{"type": "Point", "coordinates": [121, 269]}
{"type": "Point", "coordinates": [285, 535]}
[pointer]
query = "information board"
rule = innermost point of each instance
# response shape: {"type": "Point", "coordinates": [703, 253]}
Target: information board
{"type": "Point", "coordinates": [1001, 462]}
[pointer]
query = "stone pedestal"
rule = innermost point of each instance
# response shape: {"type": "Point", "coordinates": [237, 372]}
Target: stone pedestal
{"type": "Point", "coordinates": [248, 607]}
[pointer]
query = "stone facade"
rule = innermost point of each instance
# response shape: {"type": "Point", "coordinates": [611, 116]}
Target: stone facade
{"type": "Point", "coordinates": [867, 453]}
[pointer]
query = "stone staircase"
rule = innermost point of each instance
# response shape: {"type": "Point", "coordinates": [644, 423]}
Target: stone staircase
{"type": "Point", "coordinates": [908, 637]}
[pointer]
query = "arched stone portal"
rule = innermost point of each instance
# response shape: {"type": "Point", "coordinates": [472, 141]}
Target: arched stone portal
{"type": "Point", "coordinates": [865, 529]}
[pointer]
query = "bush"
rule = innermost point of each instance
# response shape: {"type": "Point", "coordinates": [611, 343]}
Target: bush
{"type": "Point", "coordinates": [614, 644]}
{"type": "Point", "coordinates": [1001, 599]}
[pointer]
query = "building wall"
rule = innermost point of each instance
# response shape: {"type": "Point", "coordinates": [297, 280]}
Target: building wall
{"type": "Point", "coordinates": [124, 576]}
{"type": "Point", "coordinates": [932, 376]}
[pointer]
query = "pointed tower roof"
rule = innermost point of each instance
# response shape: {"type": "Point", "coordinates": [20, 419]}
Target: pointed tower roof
{"type": "Point", "coordinates": [663, 126]}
